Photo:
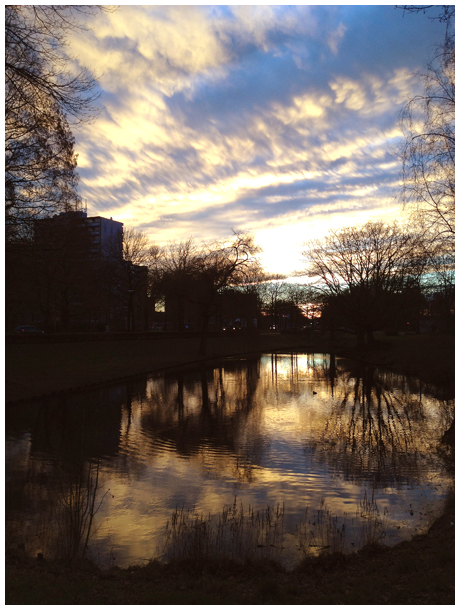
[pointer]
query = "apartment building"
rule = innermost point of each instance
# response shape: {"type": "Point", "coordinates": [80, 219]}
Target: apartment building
{"type": "Point", "coordinates": [103, 237]}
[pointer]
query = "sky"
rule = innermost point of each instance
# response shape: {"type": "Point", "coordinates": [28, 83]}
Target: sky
{"type": "Point", "coordinates": [279, 121]}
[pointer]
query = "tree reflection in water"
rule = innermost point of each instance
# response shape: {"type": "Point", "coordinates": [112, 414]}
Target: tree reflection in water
{"type": "Point", "coordinates": [374, 432]}
{"type": "Point", "coordinates": [60, 493]}
{"type": "Point", "coordinates": [204, 414]}
{"type": "Point", "coordinates": [242, 427]}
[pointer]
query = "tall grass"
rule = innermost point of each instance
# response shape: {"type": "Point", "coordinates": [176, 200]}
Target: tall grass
{"type": "Point", "coordinates": [237, 535]}
{"type": "Point", "coordinates": [321, 533]}
{"type": "Point", "coordinates": [233, 534]}
{"type": "Point", "coordinates": [74, 501]}
{"type": "Point", "coordinates": [372, 522]}
{"type": "Point", "coordinates": [324, 533]}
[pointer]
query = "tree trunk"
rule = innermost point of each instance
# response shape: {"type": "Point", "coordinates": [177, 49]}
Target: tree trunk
{"type": "Point", "coordinates": [204, 389]}
{"type": "Point", "coordinates": [332, 332]}
{"type": "Point", "coordinates": [204, 334]}
{"type": "Point", "coordinates": [370, 335]}
{"type": "Point", "coordinates": [180, 394]}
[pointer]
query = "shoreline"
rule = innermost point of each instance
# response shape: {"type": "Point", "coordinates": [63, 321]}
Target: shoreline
{"type": "Point", "coordinates": [36, 370]}
{"type": "Point", "coordinates": [419, 571]}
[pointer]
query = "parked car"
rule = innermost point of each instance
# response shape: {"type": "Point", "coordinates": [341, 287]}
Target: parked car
{"type": "Point", "coordinates": [28, 329]}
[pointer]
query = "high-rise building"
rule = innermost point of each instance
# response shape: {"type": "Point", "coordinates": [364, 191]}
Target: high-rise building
{"type": "Point", "coordinates": [106, 237]}
{"type": "Point", "coordinates": [103, 236]}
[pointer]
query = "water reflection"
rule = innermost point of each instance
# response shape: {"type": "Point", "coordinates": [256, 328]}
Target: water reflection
{"type": "Point", "coordinates": [187, 415]}
{"type": "Point", "coordinates": [53, 485]}
{"type": "Point", "coordinates": [377, 425]}
{"type": "Point", "coordinates": [107, 467]}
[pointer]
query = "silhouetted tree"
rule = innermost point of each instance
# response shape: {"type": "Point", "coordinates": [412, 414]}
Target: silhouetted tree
{"type": "Point", "coordinates": [194, 276]}
{"type": "Point", "coordinates": [272, 291]}
{"type": "Point", "coordinates": [363, 272]}
{"type": "Point", "coordinates": [43, 97]}
{"type": "Point", "coordinates": [129, 276]}
{"type": "Point", "coordinates": [217, 266]}
{"type": "Point", "coordinates": [445, 12]}
{"type": "Point", "coordinates": [300, 302]}
{"type": "Point", "coordinates": [428, 150]}
{"type": "Point", "coordinates": [177, 278]}
{"type": "Point", "coordinates": [439, 289]}
{"type": "Point", "coordinates": [276, 297]}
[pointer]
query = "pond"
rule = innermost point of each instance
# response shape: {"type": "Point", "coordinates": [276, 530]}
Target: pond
{"type": "Point", "coordinates": [346, 454]}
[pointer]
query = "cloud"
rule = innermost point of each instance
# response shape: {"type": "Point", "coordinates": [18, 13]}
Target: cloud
{"type": "Point", "coordinates": [250, 117]}
{"type": "Point", "coordinates": [335, 37]}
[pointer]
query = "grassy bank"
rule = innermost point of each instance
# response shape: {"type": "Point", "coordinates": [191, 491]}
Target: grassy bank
{"type": "Point", "coordinates": [38, 369]}
{"type": "Point", "coordinates": [42, 368]}
{"type": "Point", "coordinates": [429, 357]}
{"type": "Point", "coordinates": [421, 571]}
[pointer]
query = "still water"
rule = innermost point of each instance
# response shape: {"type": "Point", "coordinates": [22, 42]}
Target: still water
{"type": "Point", "coordinates": [303, 430]}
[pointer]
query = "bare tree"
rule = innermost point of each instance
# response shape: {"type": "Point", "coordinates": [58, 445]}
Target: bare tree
{"type": "Point", "coordinates": [178, 270]}
{"type": "Point", "coordinates": [132, 276]}
{"type": "Point", "coordinates": [195, 275]}
{"type": "Point", "coordinates": [272, 291]}
{"type": "Point", "coordinates": [445, 12]}
{"type": "Point", "coordinates": [428, 151]}
{"type": "Point", "coordinates": [136, 247]}
{"type": "Point", "coordinates": [301, 302]}
{"type": "Point", "coordinates": [284, 304]}
{"type": "Point", "coordinates": [219, 265]}
{"type": "Point", "coordinates": [365, 271]}
{"type": "Point", "coordinates": [439, 286]}
{"type": "Point", "coordinates": [43, 97]}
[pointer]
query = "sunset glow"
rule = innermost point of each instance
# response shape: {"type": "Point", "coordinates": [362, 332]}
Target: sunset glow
{"type": "Point", "coordinates": [281, 121]}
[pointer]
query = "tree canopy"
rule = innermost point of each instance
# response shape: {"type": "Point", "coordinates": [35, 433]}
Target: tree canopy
{"type": "Point", "coordinates": [363, 271]}
{"type": "Point", "coordinates": [428, 151]}
{"type": "Point", "coordinates": [44, 97]}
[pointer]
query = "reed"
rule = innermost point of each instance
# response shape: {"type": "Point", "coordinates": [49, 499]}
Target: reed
{"type": "Point", "coordinates": [321, 533]}
{"type": "Point", "coordinates": [371, 521]}
{"type": "Point", "coordinates": [233, 534]}
{"type": "Point", "coordinates": [324, 533]}
{"type": "Point", "coordinates": [239, 535]}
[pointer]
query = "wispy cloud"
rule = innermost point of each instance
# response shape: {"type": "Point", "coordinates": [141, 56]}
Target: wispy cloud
{"type": "Point", "coordinates": [275, 120]}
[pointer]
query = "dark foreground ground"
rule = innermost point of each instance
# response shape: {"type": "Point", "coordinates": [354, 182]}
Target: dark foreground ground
{"type": "Point", "coordinates": [421, 571]}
